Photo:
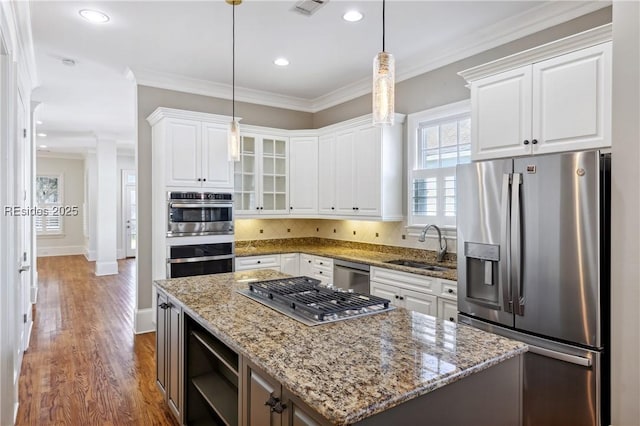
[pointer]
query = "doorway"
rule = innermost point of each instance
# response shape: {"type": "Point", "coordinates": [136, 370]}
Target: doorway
{"type": "Point", "coordinates": [129, 213]}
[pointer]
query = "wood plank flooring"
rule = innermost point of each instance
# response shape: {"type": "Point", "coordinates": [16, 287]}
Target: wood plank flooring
{"type": "Point", "coordinates": [85, 366]}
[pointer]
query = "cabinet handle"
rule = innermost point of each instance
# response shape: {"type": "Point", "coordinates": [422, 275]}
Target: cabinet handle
{"type": "Point", "coordinates": [451, 319]}
{"type": "Point", "coordinates": [526, 142]}
{"type": "Point", "coordinates": [397, 297]}
{"type": "Point", "coordinates": [309, 261]}
{"type": "Point", "coordinates": [199, 180]}
{"type": "Point", "coordinates": [333, 208]}
{"type": "Point", "coordinates": [164, 306]}
{"type": "Point", "coordinates": [259, 261]}
{"type": "Point", "coordinates": [271, 402]}
{"type": "Point", "coordinates": [290, 207]}
{"type": "Point", "coordinates": [261, 208]}
{"type": "Point", "coordinates": [450, 291]}
{"type": "Point", "coordinates": [535, 141]}
{"type": "Point", "coordinates": [321, 263]}
{"type": "Point", "coordinates": [401, 298]}
{"type": "Point", "coordinates": [320, 272]}
{"type": "Point", "coordinates": [204, 179]}
{"type": "Point", "coordinates": [257, 208]}
{"type": "Point", "coordinates": [279, 407]}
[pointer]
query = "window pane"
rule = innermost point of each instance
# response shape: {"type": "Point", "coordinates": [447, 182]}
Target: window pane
{"type": "Point", "coordinates": [450, 196]}
{"type": "Point", "coordinates": [464, 133]}
{"type": "Point", "coordinates": [425, 192]}
{"type": "Point", "coordinates": [449, 134]}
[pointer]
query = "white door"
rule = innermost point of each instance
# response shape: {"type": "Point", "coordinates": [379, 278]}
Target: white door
{"type": "Point", "coordinates": [501, 115]}
{"type": "Point", "coordinates": [448, 310]}
{"type": "Point", "coordinates": [345, 199]}
{"type": "Point", "coordinates": [183, 151]}
{"type": "Point", "coordinates": [303, 169]}
{"type": "Point", "coordinates": [572, 101]}
{"type": "Point", "coordinates": [290, 263]}
{"type": "Point", "coordinates": [217, 169]}
{"type": "Point", "coordinates": [23, 231]}
{"type": "Point", "coordinates": [386, 292]}
{"type": "Point", "coordinates": [367, 183]}
{"type": "Point", "coordinates": [327, 174]}
{"type": "Point", "coordinates": [420, 302]}
{"type": "Point", "coordinates": [129, 209]}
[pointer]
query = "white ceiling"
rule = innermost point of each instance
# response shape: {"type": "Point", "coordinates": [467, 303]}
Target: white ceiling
{"type": "Point", "coordinates": [187, 45]}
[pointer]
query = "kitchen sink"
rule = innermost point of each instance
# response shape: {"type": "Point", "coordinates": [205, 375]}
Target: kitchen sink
{"type": "Point", "coordinates": [418, 265]}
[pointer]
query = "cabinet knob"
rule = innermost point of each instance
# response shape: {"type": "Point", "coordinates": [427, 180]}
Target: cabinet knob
{"type": "Point", "coordinates": [357, 208]}
{"type": "Point", "coordinates": [290, 207]}
{"type": "Point", "coordinates": [401, 298]}
{"type": "Point", "coordinates": [259, 261]}
{"type": "Point", "coordinates": [320, 272]}
{"type": "Point", "coordinates": [163, 306]}
{"type": "Point", "coordinates": [204, 179]}
{"type": "Point", "coordinates": [333, 208]}
{"type": "Point", "coordinates": [309, 261]}
{"type": "Point", "coordinates": [397, 297]}
{"type": "Point", "coordinates": [279, 407]}
{"type": "Point", "coordinates": [451, 319]}
{"type": "Point", "coordinates": [261, 208]}
{"type": "Point", "coordinates": [450, 291]}
{"type": "Point", "coordinates": [526, 142]}
{"type": "Point", "coordinates": [199, 180]}
{"type": "Point", "coordinates": [535, 141]}
{"type": "Point", "coordinates": [271, 402]}
{"type": "Point", "coordinates": [257, 208]}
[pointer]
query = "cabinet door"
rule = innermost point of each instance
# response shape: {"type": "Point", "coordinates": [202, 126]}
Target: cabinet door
{"type": "Point", "coordinates": [367, 182]}
{"type": "Point", "coordinates": [419, 302]}
{"type": "Point", "coordinates": [303, 169]}
{"type": "Point", "coordinates": [290, 263]}
{"type": "Point", "coordinates": [274, 177]}
{"type": "Point", "coordinates": [217, 169]}
{"type": "Point", "coordinates": [246, 177]}
{"type": "Point", "coordinates": [258, 262]}
{"type": "Point", "coordinates": [327, 175]}
{"type": "Point", "coordinates": [261, 390]}
{"type": "Point", "coordinates": [183, 148]}
{"type": "Point", "coordinates": [306, 265]}
{"type": "Point", "coordinates": [161, 343]}
{"type": "Point", "coordinates": [572, 101]}
{"type": "Point", "coordinates": [299, 417]}
{"type": "Point", "coordinates": [174, 391]}
{"type": "Point", "coordinates": [345, 197]}
{"type": "Point", "coordinates": [501, 115]}
{"type": "Point", "coordinates": [448, 310]}
{"type": "Point", "coordinates": [386, 292]}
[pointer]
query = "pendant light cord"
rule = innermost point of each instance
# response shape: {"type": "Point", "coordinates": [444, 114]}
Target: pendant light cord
{"type": "Point", "coordinates": [233, 62]}
{"type": "Point", "coordinates": [383, 8]}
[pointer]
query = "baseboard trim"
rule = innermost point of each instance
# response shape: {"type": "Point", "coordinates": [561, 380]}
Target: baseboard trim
{"type": "Point", "coordinates": [28, 342]}
{"type": "Point", "coordinates": [143, 322]}
{"type": "Point", "coordinates": [90, 255]}
{"type": "Point", "coordinates": [120, 254]}
{"type": "Point", "coordinates": [106, 268]}
{"type": "Point", "coordinates": [15, 412]}
{"type": "Point", "coordinates": [59, 251]}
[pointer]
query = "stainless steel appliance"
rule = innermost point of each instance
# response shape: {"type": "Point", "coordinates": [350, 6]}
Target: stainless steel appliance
{"type": "Point", "coordinates": [306, 300]}
{"type": "Point", "coordinates": [351, 276]}
{"type": "Point", "coordinates": [533, 264]}
{"type": "Point", "coordinates": [199, 213]}
{"type": "Point", "coordinates": [213, 257]}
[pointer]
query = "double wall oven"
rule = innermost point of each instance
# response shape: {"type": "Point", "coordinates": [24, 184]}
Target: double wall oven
{"type": "Point", "coordinates": [200, 236]}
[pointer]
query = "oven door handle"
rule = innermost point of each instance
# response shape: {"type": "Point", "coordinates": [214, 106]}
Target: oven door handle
{"type": "Point", "coordinates": [200, 259]}
{"type": "Point", "coordinates": [200, 205]}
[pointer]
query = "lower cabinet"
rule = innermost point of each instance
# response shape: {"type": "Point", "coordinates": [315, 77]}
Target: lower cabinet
{"type": "Point", "coordinates": [271, 261]}
{"type": "Point", "coordinates": [317, 267]}
{"type": "Point", "coordinates": [169, 352]}
{"type": "Point", "coordinates": [290, 264]}
{"type": "Point", "coordinates": [448, 309]}
{"type": "Point", "coordinates": [269, 404]}
{"type": "Point", "coordinates": [408, 299]}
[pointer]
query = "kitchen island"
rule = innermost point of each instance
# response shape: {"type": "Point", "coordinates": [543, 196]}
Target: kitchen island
{"type": "Point", "coordinates": [397, 367]}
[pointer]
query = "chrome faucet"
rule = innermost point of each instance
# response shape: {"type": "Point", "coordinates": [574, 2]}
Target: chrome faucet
{"type": "Point", "coordinates": [442, 242]}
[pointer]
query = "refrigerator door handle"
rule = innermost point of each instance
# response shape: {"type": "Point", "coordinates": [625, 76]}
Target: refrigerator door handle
{"type": "Point", "coordinates": [516, 245]}
{"type": "Point", "coordinates": [561, 356]}
{"type": "Point", "coordinates": [505, 278]}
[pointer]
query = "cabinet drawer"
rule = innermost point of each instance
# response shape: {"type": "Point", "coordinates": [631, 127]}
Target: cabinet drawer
{"type": "Point", "coordinates": [449, 289]}
{"type": "Point", "coordinates": [323, 263]}
{"type": "Point", "coordinates": [257, 262]}
{"type": "Point", "coordinates": [406, 280]}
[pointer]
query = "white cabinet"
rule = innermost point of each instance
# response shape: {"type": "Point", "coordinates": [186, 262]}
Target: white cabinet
{"type": "Point", "coordinates": [361, 170]}
{"type": "Point", "coordinates": [271, 261]}
{"type": "Point", "coordinates": [192, 150]}
{"type": "Point", "coordinates": [561, 102]}
{"type": "Point", "coordinates": [261, 175]}
{"type": "Point", "coordinates": [303, 170]}
{"type": "Point", "coordinates": [290, 263]}
{"type": "Point", "coordinates": [420, 293]}
{"type": "Point", "coordinates": [317, 267]}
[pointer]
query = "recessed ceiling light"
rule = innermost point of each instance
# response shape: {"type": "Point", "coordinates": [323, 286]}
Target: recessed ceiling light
{"type": "Point", "coordinates": [94, 16]}
{"type": "Point", "coordinates": [42, 135]}
{"type": "Point", "coordinates": [39, 122]}
{"type": "Point", "coordinates": [352, 16]}
{"type": "Point", "coordinates": [43, 146]}
{"type": "Point", "coordinates": [281, 62]}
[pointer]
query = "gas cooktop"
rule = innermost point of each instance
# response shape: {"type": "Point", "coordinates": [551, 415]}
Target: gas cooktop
{"type": "Point", "coordinates": [306, 300]}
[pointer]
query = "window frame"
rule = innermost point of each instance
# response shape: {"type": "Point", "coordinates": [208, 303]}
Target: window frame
{"type": "Point", "coordinates": [46, 206]}
{"type": "Point", "coordinates": [442, 113]}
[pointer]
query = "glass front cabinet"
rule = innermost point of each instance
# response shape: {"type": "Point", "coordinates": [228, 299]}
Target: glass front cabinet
{"type": "Point", "coordinates": [261, 175]}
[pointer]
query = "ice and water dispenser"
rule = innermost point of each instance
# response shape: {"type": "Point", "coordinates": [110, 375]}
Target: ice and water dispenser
{"type": "Point", "coordinates": [482, 262]}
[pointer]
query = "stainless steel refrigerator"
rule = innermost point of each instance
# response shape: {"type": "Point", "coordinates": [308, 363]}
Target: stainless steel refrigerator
{"type": "Point", "coordinates": [534, 265]}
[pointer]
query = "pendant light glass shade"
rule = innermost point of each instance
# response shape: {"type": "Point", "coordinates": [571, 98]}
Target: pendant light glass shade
{"type": "Point", "coordinates": [233, 141]}
{"type": "Point", "coordinates": [384, 68]}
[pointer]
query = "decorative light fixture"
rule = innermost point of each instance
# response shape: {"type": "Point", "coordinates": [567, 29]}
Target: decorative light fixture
{"type": "Point", "coordinates": [233, 136]}
{"type": "Point", "coordinates": [94, 16]}
{"type": "Point", "coordinates": [383, 84]}
{"type": "Point", "coordinates": [352, 16]}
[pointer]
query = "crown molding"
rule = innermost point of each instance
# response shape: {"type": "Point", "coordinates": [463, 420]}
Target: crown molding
{"type": "Point", "coordinates": [531, 21]}
{"type": "Point", "coordinates": [162, 112]}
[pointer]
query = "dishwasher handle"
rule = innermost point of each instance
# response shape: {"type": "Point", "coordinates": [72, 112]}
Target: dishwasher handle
{"type": "Point", "coordinates": [358, 267]}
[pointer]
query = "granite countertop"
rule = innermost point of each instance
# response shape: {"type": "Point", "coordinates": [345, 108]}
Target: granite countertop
{"type": "Point", "coordinates": [369, 254]}
{"type": "Point", "coordinates": [347, 370]}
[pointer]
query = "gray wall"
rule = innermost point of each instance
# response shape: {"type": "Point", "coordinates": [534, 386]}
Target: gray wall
{"type": "Point", "coordinates": [444, 85]}
{"type": "Point", "coordinates": [150, 98]}
{"type": "Point", "coordinates": [625, 204]}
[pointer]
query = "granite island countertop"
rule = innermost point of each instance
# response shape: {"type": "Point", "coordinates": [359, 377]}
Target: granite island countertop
{"type": "Point", "coordinates": [347, 370]}
{"type": "Point", "coordinates": [369, 254]}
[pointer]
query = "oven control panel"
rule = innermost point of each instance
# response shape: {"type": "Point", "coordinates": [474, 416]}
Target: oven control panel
{"type": "Point", "coordinates": [200, 196]}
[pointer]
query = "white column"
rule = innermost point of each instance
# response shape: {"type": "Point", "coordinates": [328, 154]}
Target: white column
{"type": "Point", "coordinates": [106, 210]}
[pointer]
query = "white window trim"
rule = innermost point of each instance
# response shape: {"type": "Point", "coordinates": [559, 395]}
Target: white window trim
{"type": "Point", "coordinates": [413, 122]}
{"type": "Point", "coordinates": [59, 233]}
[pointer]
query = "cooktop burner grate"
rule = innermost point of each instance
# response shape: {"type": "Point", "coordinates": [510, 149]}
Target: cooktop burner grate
{"type": "Point", "coordinates": [306, 296]}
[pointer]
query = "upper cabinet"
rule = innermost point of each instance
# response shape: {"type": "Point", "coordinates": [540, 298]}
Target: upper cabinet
{"type": "Point", "coordinates": [262, 175]}
{"type": "Point", "coordinates": [190, 150]}
{"type": "Point", "coordinates": [303, 170]}
{"type": "Point", "coordinates": [556, 97]}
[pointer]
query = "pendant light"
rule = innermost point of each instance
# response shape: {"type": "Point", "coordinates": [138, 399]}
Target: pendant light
{"type": "Point", "coordinates": [383, 84]}
{"type": "Point", "coordinates": [233, 135]}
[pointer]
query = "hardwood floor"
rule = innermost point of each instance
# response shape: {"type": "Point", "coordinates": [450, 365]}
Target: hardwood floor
{"type": "Point", "coordinates": [84, 364]}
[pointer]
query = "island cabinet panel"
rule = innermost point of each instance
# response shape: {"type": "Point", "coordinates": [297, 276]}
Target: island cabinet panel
{"type": "Point", "coordinates": [169, 352]}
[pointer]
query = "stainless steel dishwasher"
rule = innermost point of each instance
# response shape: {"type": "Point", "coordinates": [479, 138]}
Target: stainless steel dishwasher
{"type": "Point", "coordinates": [351, 275]}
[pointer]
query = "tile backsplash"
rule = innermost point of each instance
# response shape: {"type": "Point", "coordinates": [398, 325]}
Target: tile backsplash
{"type": "Point", "coordinates": [385, 233]}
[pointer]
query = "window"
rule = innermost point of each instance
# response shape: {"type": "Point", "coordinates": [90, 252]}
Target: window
{"type": "Point", "coordinates": [49, 199]}
{"type": "Point", "coordinates": [439, 139]}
